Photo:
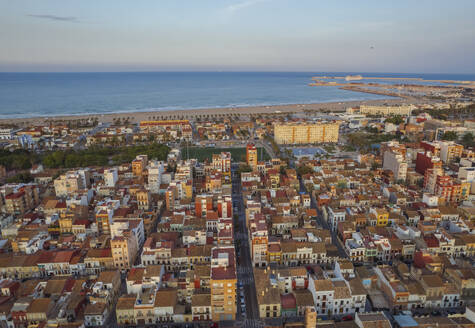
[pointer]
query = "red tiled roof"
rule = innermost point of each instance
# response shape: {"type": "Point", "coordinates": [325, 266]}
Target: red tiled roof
{"type": "Point", "coordinates": [15, 195]}
{"type": "Point", "coordinates": [431, 241]}
{"type": "Point", "coordinates": [64, 256]}
{"type": "Point", "coordinates": [288, 301]}
{"type": "Point", "coordinates": [223, 273]}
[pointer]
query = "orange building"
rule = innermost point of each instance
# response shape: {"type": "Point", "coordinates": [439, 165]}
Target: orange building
{"type": "Point", "coordinates": [103, 222]}
{"type": "Point", "coordinates": [203, 204]}
{"type": "Point", "coordinates": [447, 189]}
{"type": "Point", "coordinates": [139, 164]}
{"type": "Point", "coordinates": [223, 284]}
{"type": "Point", "coordinates": [251, 156]}
{"type": "Point", "coordinates": [170, 196]}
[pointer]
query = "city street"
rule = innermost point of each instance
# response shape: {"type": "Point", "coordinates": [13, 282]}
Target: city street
{"type": "Point", "coordinates": [244, 266]}
{"type": "Point", "coordinates": [322, 222]}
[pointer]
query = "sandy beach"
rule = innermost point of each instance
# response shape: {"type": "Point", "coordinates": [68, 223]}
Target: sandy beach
{"type": "Point", "coordinates": [135, 117]}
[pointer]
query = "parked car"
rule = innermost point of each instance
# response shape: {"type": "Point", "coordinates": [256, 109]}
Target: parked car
{"type": "Point", "coordinates": [348, 317]}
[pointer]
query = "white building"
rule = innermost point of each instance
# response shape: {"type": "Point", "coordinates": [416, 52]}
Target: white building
{"type": "Point", "coordinates": [396, 163]}
{"type": "Point", "coordinates": [155, 171]}
{"type": "Point", "coordinates": [334, 216]}
{"type": "Point", "coordinates": [111, 177]}
{"type": "Point", "coordinates": [95, 315]}
{"type": "Point", "coordinates": [467, 173]}
{"type": "Point", "coordinates": [323, 292]}
{"type": "Point", "coordinates": [430, 199]}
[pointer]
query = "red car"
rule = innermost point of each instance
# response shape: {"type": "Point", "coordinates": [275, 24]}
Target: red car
{"type": "Point", "coordinates": [348, 317]}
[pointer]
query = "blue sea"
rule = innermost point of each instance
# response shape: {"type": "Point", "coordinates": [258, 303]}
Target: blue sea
{"type": "Point", "coordinates": [49, 94]}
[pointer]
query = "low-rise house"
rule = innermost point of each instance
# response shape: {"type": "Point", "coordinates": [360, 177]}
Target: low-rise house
{"type": "Point", "coordinates": [95, 315]}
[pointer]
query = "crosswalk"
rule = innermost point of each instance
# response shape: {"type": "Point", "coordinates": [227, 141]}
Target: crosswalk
{"type": "Point", "coordinates": [251, 323]}
{"type": "Point", "coordinates": [247, 280]}
{"type": "Point", "coordinates": [244, 270]}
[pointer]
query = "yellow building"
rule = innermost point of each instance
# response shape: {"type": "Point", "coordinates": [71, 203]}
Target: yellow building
{"type": "Point", "coordinates": [103, 222]}
{"type": "Point", "coordinates": [125, 310]}
{"type": "Point", "coordinates": [404, 110]}
{"type": "Point", "coordinates": [274, 253]}
{"type": "Point", "coordinates": [139, 164]}
{"type": "Point", "coordinates": [143, 199]}
{"type": "Point", "coordinates": [213, 182]}
{"type": "Point", "coordinates": [65, 224]}
{"type": "Point", "coordinates": [123, 250]}
{"type": "Point", "coordinates": [310, 318]}
{"type": "Point", "coordinates": [251, 156]}
{"type": "Point", "coordinates": [188, 189]}
{"type": "Point", "coordinates": [382, 216]}
{"type": "Point", "coordinates": [19, 266]}
{"type": "Point", "coordinates": [450, 151]}
{"type": "Point", "coordinates": [274, 179]}
{"type": "Point", "coordinates": [306, 133]}
{"type": "Point", "coordinates": [38, 310]}
{"type": "Point", "coordinates": [268, 295]}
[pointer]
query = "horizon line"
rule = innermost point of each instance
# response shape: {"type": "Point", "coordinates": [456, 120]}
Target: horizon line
{"type": "Point", "coordinates": [224, 71]}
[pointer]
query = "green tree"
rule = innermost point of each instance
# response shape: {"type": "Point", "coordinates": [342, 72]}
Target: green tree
{"type": "Point", "coordinates": [20, 178]}
{"type": "Point", "coordinates": [468, 140]}
{"type": "Point", "coordinates": [397, 119]}
{"type": "Point", "coordinates": [244, 168]}
{"type": "Point", "coordinates": [450, 136]}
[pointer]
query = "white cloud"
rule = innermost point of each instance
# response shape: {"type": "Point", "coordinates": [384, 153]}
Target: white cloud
{"type": "Point", "coordinates": [242, 5]}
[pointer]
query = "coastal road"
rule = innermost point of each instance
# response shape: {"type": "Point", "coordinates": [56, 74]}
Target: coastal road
{"type": "Point", "coordinates": [244, 266]}
{"type": "Point", "coordinates": [265, 145]}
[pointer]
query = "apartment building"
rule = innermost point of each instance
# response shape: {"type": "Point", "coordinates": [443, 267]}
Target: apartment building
{"type": "Point", "coordinates": [21, 200]}
{"type": "Point", "coordinates": [111, 176]}
{"type": "Point", "coordinates": [71, 181]}
{"type": "Point", "coordinates": [222, 163]}
{"type": "Point", "coordinates": [251, 156]}
{"type": "Point", "coordinates": [139, 164]}
{"type": "Point", "coordinates": [306, 133]}
{"type": "Point", "coordinates": [403, 110]}
{"type": "Point", "coordinates": [259, 239]}
{"type": "Point", "coordinates": [155, 171]}
{"type": "Point", "coordinates": [427, 160]}
{"type": "Point", "coordinates": [124, 250]}
{"type": "Point", "coordinates": [223, 284]}
{"type": "Point", "coordinates": [449, 151]}
{"type": "Point", "coordinates": [396, 163]}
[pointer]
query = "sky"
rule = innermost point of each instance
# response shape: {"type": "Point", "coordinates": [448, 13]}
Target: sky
{"type": "Point", "coordinates": [422, 36]}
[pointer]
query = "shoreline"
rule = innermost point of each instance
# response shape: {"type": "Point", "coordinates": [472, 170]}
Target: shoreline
{"type": "Point", "coordinates": [136, 117]}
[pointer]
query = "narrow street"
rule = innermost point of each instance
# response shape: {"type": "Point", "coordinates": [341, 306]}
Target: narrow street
{"type": "Point", "coordinates": [322, 222]}
{"type": "Point", "coordinates": [244, 266]}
